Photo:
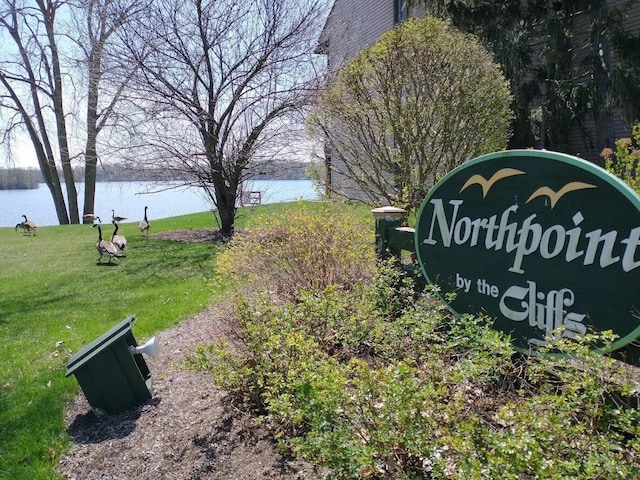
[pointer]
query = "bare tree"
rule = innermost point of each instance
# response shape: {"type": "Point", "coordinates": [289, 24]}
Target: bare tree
{"type": "Point", "coordinates": [222, 84]}
{"type": "Point", "coordinates": [31, 77]}
{"type": "Point", "coordinates": [97, 22]}
{"type": "Point", "coordinates": [35, 78]}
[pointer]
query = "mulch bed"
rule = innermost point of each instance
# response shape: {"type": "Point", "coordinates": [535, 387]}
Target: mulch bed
{"type": "Point", "coordinates": [189, 429]}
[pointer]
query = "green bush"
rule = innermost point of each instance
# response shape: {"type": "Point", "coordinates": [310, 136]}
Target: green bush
{"type": "Point", "coordinates": [623, 162]}
{"type": "Point", "coordinates": [570, 417]}
{"type": "Point", "coordinates": [304, 248]}
{"type": "Point", "coordinates": [408, 109]}
{"type": "Point", "coordinates": [347, 383]}
{"type": "Point", "coordinates": [372, 379]}
{"type": "Point", "coordinates": [451, 404]}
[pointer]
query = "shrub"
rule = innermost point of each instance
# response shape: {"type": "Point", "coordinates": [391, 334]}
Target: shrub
{"type": "Point", "coordinates": [421, 100]}
{"type": "Point", "coordinates": [374, 380]}
{"type": "Point", "coordinates": [305, 248]}
{"type": "Point", "coordinates": [426, 395]}
{"type": "Point", "coordinates": [570, 417]}
{"type": "Point", "coordinates": [623, 162]}
{"type": "Point", "coordinates": [348, 383]}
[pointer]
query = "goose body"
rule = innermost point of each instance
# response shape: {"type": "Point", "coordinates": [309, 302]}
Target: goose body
{"type": "Point", "coordinates": [144, 223]}
{"type": "Point", "coordinates": [118, 240]}
{"type": "Point", "coordinates": [105, 247]}
{"type": "Point", "coordinates": [28, 226]}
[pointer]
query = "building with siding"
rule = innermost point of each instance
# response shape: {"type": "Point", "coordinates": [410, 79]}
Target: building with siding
{"type": "Point", "coordinates": [356, 24]}
{"type": "Point", "coordinates": [605, 131]}
{"type": "Point", "coordinates": [351, 26]}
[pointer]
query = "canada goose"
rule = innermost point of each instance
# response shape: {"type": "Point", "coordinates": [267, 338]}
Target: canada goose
{"type": "Point", "coordinates": [25, 228]}
{"type": "Point", "coordinates": [115, 217]}
{"type": "Point", "coordinates": [28, 226]}
{"type": "Point", "coordinates": [144, 223]}
{"type": "Point", "coordinates": [105, 247]}
{"type": "Point", "coordinates": [118, 240]}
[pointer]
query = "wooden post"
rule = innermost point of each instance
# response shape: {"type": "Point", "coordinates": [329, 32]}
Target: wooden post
{"type": "Point", "coordinates": [387, 219]}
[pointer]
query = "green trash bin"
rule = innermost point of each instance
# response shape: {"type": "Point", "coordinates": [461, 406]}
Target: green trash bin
{"type": "Point", "coordinates": [112, 376]}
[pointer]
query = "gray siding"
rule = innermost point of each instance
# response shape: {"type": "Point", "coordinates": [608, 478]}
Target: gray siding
{"type": "Point", "coordinates": [353, 25]}
{"type": "Point", "coordinates": [603, 133]}
{"type": "Point", "coordinates": [356, 24]}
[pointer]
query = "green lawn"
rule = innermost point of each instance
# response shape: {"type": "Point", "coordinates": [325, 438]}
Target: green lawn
{"type": "Point", "coordinates": [53, 291]}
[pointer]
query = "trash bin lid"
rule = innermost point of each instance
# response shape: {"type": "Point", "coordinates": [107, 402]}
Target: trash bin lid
{"type": "Point", "coordinates": [99, 344]}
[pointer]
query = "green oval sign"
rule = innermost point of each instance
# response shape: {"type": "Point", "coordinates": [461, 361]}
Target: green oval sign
{"type": "Point", "coordinates": [538, 241]}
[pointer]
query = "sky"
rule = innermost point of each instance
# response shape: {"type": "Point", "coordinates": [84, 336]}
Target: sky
{"type": "Point", "coordinates": [22, 154]}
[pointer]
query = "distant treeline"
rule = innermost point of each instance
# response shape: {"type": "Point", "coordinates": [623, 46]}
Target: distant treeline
{"type": "Point", "coordinates": [19, 178]}
{"type": "Point", "coordinates": [283, 171]}
{"type": "Point", "coordinates": [23, 178]}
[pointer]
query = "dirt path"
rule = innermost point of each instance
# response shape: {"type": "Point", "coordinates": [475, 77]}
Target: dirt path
{"type": "Point", "coordinates": [188, 430]}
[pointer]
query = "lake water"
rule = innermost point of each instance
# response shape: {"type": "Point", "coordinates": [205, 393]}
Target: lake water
{"type": "Point", "coordinates": [129, 199]}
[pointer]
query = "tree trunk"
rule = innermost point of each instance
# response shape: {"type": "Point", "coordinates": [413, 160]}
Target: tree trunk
{"type": "Point", "coordinates": [52, 181]}
{"type": "Point", "coordinates": [49, 171]}
{"type": "Point", "coordinates": [90, 152]}
{"type": "Point", "coordinates": [61, 123]}
{"type": "Point", "coordinates": [90, 164]}
{"type": "Point", "coordinates": [226, 202]}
